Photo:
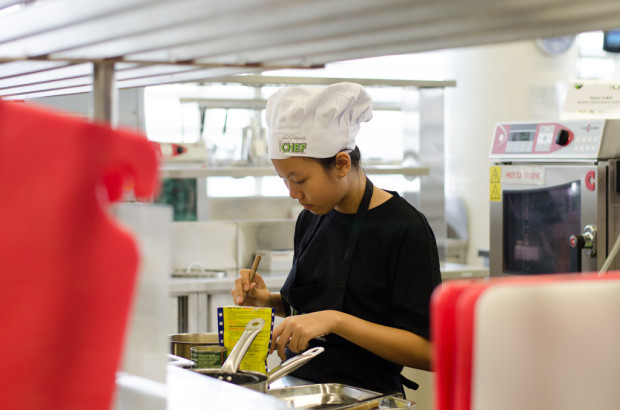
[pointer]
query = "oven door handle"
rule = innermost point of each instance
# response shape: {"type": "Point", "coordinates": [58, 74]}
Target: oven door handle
{"type": "Point", "coordinates": [579, 242]}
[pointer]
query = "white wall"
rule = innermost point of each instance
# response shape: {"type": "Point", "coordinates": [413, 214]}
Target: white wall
{"type": "Point", "coordinates": [503, 82]}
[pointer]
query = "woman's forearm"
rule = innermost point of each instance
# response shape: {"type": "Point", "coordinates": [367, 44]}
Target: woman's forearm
{"type": "Point", "coordinates": [396, 345]}
{"type": "Point", "coordinates": [275, 301]}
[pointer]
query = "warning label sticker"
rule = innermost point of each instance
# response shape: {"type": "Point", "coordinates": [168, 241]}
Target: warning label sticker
{"type": "Point", "coordinates": [495, 191]}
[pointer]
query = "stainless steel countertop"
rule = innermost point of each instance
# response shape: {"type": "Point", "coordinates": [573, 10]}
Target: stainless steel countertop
{"type": "Point", "coordinates": [459, 271]}
{"type": "Point", "coordinates": [274, 280]}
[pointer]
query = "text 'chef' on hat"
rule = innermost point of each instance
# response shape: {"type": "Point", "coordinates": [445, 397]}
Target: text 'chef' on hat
{"type": "Point", "coordinates": [316, 122]}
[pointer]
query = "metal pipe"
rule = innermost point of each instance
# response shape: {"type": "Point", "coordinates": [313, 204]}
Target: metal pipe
{"type": "Point", "coordinates": [105, 93]}
{"type": "Point", "coordinates": [610, 257]}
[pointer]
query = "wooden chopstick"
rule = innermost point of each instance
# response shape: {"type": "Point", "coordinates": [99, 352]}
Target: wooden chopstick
{"type": "Point", "coordinates": [254, 267]}
{"type": "Point", "coordinates": [252, 272]}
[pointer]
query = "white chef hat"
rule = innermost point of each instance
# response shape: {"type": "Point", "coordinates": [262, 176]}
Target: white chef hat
{"type": "Point", "coordinates": [316, 122]}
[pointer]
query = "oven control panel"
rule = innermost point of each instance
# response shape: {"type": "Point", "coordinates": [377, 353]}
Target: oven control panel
{"type": "Point", "coordinates": [565, 140]}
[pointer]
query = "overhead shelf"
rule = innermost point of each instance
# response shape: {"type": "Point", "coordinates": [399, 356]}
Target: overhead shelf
{"type": "Point", "coordinates": [204, 171]}
{"type": "Point", "coordinates": [260, 104]}
{"type": "Point", "coordinates": [49, 47]}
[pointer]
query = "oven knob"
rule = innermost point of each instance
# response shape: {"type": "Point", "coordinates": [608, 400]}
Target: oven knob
{"type": "Point", "coordinates": [561, 138]}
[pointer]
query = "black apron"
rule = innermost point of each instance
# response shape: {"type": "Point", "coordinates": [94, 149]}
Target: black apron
{"type": "Point", "coordinates": [329, 296]}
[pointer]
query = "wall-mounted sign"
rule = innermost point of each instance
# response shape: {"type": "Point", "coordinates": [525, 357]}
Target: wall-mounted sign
{"type": "Point", "coordinates": [592, 99]}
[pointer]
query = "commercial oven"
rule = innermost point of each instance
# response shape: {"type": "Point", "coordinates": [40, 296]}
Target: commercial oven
{"type": "Point", "coordinates": [554, 196]}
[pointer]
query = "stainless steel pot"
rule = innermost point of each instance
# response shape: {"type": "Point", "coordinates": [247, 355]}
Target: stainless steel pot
{"type": "Point", "coordinates": [259, 381]}
{"type": "Point", "coordinates": [250, 379]}
{"type": "Point", "coordinates": [181, 343]}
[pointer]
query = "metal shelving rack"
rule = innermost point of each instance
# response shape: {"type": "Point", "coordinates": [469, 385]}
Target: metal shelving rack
{"type": "Point", "coordinates": [200, 171]}
{"type": "Point", "coordinates": [53, 47]}
{"type": "Point", "coordinates": [56, 47]}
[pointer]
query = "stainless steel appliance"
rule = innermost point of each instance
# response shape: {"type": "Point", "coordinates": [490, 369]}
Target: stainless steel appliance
{"type": "Point", "coordinates": [554, 196]}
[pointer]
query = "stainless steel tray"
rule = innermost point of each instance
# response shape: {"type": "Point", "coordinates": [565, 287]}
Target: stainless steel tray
{"type": "Point", "coordinates": [334, 396]}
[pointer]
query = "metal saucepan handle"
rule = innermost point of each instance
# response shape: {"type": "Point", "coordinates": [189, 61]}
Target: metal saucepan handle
{"type": "Point", "coordinates": [179, 361]}
{"type": "Point", "coordinates": [235, 356]}
{"type": "Point", "coordinates": [293, 364]}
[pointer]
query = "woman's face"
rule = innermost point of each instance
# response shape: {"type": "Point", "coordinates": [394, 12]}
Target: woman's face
{"type": "Point", "coordinates": [316, 189]}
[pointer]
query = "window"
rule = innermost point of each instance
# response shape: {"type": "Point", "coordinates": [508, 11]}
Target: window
{"type": "Point", "coordinates": [190, 114]}
{"type": "Point", "coordinates": [593, 63]}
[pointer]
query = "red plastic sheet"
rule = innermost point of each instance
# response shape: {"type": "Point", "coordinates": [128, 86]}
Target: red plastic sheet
{"type": "Point", "coordinates": [67, 269]}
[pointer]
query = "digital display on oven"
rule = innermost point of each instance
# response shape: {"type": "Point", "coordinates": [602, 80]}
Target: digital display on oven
{"type": "Point", "coordinates": [537, 228]}
{"type": "Point", "coordinates": [521, 140]}
{"type": "Point", "coordinates": [519, 136]}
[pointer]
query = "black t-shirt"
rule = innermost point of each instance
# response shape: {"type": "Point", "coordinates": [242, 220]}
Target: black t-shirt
{"type": "Point", "coordinates": [394, 270]}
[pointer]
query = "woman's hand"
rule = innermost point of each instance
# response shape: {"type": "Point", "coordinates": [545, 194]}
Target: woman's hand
{"type": "Point", "coordinates": [396, 345]}
{"type": "Point", "coordinates": [250, 294]}
{"type": "Point", "coordinates": [296, 331]}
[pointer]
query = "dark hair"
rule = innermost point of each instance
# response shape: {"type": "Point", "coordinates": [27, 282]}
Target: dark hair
{"type": "Point", "coordinates": [329, 163]}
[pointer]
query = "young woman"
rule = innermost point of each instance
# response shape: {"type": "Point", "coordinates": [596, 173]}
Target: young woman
{"type": "Point", "coordinates": [365, 260]}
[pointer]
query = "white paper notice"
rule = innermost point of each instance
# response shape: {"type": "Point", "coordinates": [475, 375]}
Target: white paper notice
{"type": "Point", "coordinates": [592, 99]}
